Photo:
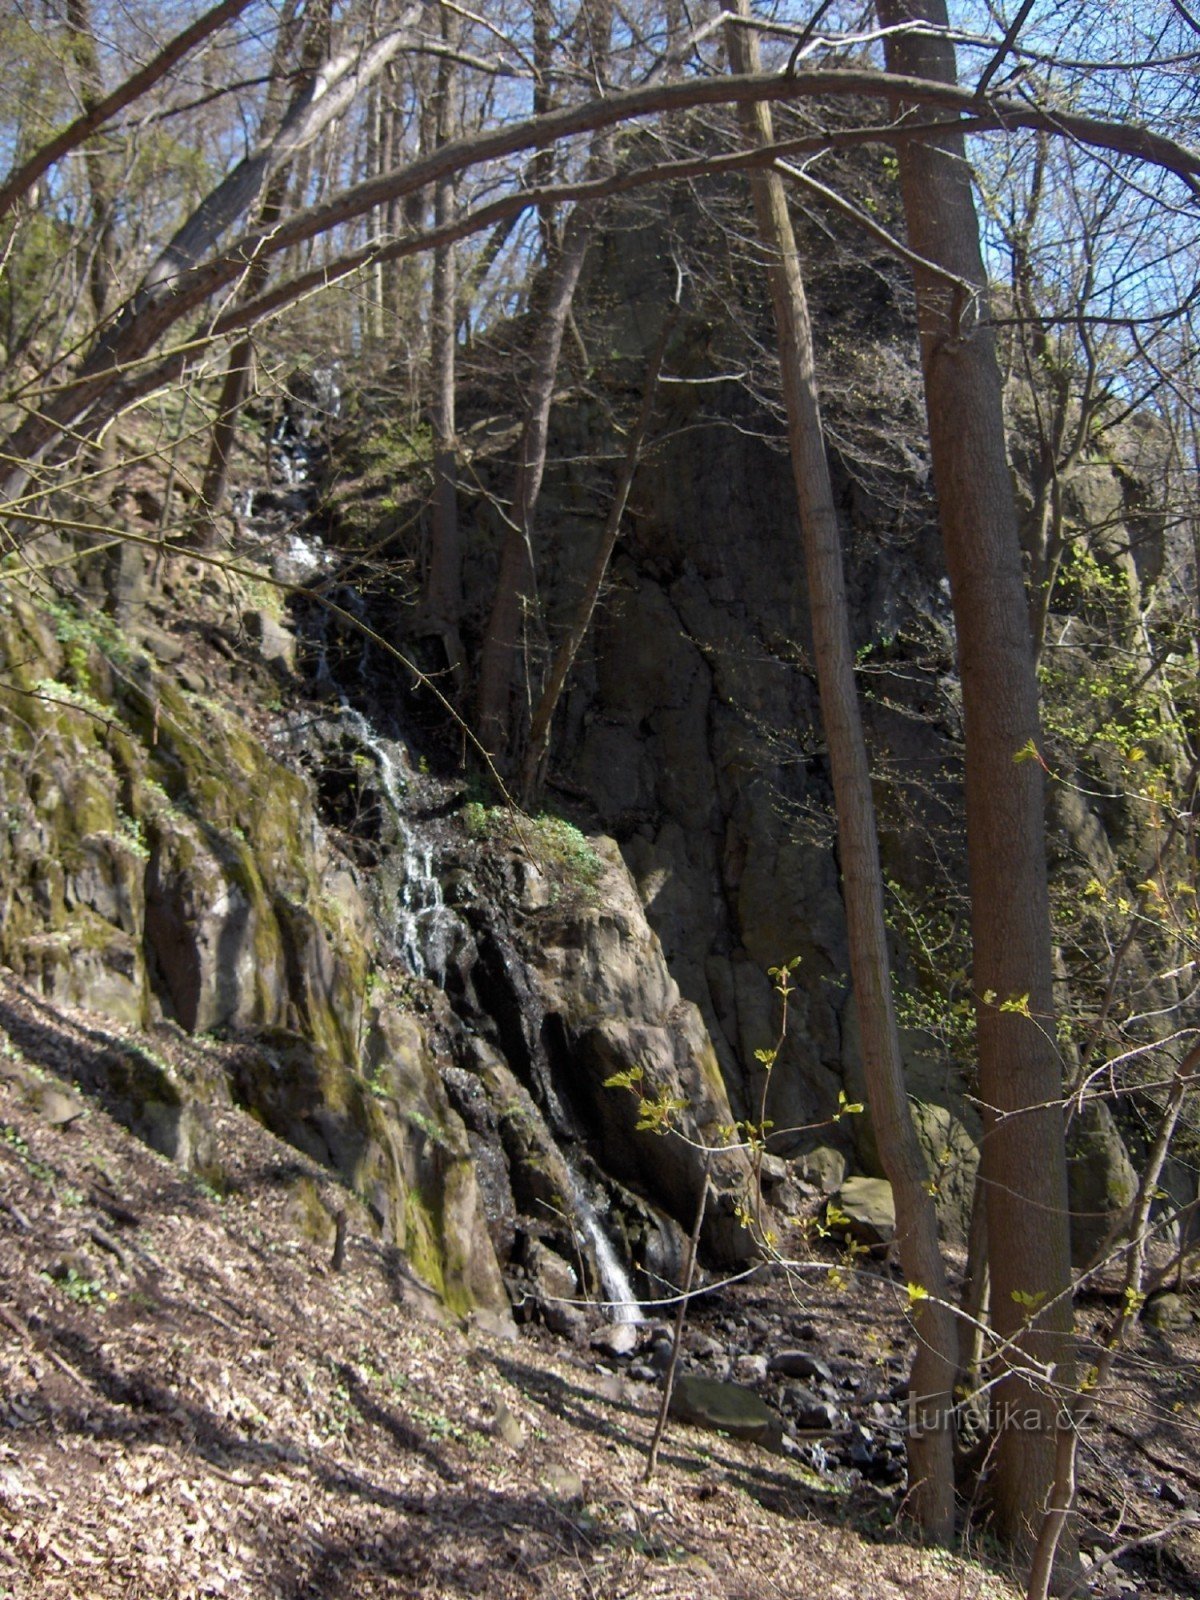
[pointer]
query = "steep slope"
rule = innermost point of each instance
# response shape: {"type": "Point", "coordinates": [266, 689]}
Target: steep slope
{"type": "Point", "coordinates": [193, 1403]}
{"type": "Point", "coordinates": [194, 845]}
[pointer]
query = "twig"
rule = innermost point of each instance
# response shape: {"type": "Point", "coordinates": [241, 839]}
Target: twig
{"type": "Point", "coordinates": [680, 1318]}
{"type": "Point", "coordinates": [18, 1216]}
{"type": "Point", "coordinates": [107, 1242]}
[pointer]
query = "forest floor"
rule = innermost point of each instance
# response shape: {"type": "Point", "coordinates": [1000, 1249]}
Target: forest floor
{"type": "Point", "coordinates": [193, 1403]}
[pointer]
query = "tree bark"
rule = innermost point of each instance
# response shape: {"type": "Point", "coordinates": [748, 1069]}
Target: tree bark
{"type": "Point", "coordinates": [102, 180]}
{"type": "Point", "coordinates": [930, 1443]}
{"type": "Point", "coordinates": [239, 370]}
{"type": "Point", "coordinates": [443, 589]}
{"type": "Point", "coordinates": [534, 761]}
{"type": "Point", "coordinates": [516, 582]}
{"type": "Point", "coordinates": [1023, 1165]}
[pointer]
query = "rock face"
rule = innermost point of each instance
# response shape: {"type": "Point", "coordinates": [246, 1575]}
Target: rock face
{"type": "Point", "coordinates": [869, 1208]}
{"type": "Point", "coordinates": [170, 863]}
{"type": "Point", "coordinates": [1102, 1183]}
{"type": "Point", "coordinates": [610, 1009]}
{"type": "Point", "coordinates": [516, 1051]}
{"type": "Point", "coordinates": [162, 869]}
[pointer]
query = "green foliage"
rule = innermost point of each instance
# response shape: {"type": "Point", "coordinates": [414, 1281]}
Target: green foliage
{"type": "Point", "coordinates": [84, 1291]}
{"type": "Point", "coordinates": [557, 847]}
{"type": "Point", "coordinates": [53, 689]}
{"type": "Point", "coordinates": [938, 1002]}
{"type": "Point", "coordinates": [35, 1168]}
{"type": "Point", "coordinates": [847, 1108]}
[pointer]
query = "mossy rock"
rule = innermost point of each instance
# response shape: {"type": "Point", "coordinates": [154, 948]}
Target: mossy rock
{"type": "Point", "coordinates": [1101, 1181]}
{"type": "Point", "coordinates": [869, 1208]}
{"type": "Point", "coordinates": [725, 1408]}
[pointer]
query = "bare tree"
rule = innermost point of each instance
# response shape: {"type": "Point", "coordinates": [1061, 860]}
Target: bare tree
{"type": "Point", "coordinates": [931, 1436]}
{"type": "Point", "coordinates": [1023, 1159]}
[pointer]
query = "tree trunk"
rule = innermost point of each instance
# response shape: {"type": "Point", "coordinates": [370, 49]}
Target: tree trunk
{"type": "Point", "coordinates": [930, 1445]}
{"type": "Point", "coordinates": [543, 102]}
{"type": "Point", "coordinates": [102, 180]}
{"type": "Point", "coordinates": [239, 371]}
{"type": "Point", "coordinates": [1023, 1160]}
{"type": "Point", "coordinates": [443, 590]}
{"type": "Point", "coordinates": [534, 762]}
{"type": "Point", "coordinates": [516, 582]}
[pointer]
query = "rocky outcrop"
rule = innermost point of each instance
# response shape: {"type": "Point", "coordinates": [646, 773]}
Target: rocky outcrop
{"type": "Point", "coordinates": [621, 1040]}
{"type": "Point", "coordinates": [177, 857]}
{"type": "Point", "coordinates": [161, 869]}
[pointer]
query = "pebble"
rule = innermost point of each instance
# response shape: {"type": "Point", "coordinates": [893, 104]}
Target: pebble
{"type": "Point", "coordinates": [750, 1369]}
{"type": "Point", "coordinates": [617, 1339]}
{"type": "Point", "coordinates": [800, 1364]}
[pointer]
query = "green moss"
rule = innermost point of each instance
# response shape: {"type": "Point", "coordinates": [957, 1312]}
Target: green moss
{"type": "Point", "coordinates": [307, 1210]}
{"type": "Point", "coordinates": [557, 846]}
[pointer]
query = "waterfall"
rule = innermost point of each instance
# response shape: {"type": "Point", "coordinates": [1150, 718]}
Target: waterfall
{"type": "Point", "coordinates": [424, 927]}
{"type": "Point", "coordinates": [620, 1300]}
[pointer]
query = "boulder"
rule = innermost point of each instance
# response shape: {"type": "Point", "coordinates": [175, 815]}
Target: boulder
{"type": "Point", "coordinates": [617, 1340]}
{"type": "Point", "coordinates": [868, 1205]}
{"type": "Point", "coordinates": [1168, 1312]}
{"type": "Point", "coordinates": [1101, 1181]}
{"type": "Point", "coordinates": [725, 1408]}
{"type": "Point", "coordinates": [800, 1364]}
{"type": "Point", "coordinates": [809, 1410]}
{"type": "Point", "coordinates": [823, 1167]}
{"type": "Point", "coordinates": [57, 1108]}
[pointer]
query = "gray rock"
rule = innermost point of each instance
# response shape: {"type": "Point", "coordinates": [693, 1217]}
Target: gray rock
{"type": "Point", "coordinates": [726, 1408]}
{"type": "Point", "coordinates": [750, 1369]}
{"type": "Point", "coordinates": [568, 1321]}
{"type": "Point", "coordinates": [862, 1448]}
{"type": "Point", "coordinates": [492, 1324]}
{"type": "Point", "coordinates": [1168, 1312]}
{"type": "Point", "coordinates": [554, 1276]}
{"type": "Point", "coordinates": [809, 1410]}
{"type": "Point", "coordinates": [823, 1167]}
{"type": "Point", "coordinates": [60, 1110]}
{"type": "Point", "coordinates": [617, 1340]}
{"type": "Point", "coordinates": [659, 1351]}
{"type": "Point", "coordinates": [1101, 1181]}
{"type": "Point", "coordinates": [599, 971]}
{"type": "Point", "coordinates": [871, 1210]}
{"type": "Point", "coordinates": [800, 1364]}
{"type": "Point", "coordinates": [563, 1483]}
{"type": "Point", "coordinates": [164, 647]}
{"type": "Point", "coordinates": [702, 1346]}
{"type": "Point", "coordinates": [508, 1426]}
{"type": "Point", "coordinates": [274, 643]}
{"type": "Point", "coordinates": [952, 1158]}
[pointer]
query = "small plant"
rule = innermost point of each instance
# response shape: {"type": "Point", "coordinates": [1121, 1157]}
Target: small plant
{"type": "Point", "coordinates": [557, 846]}
{"type": "Point", "coordinates": [59, 693]}
{"type": "Point", "coordinates": [84, 1291]}
{"type": "Point", "coordinates": [133, 836]}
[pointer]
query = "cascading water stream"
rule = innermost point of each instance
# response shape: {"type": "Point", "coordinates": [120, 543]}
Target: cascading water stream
{"type": "Point", "coordinates": [620, 1299]}
{"type": "Point", "coordinates": [424, 927]}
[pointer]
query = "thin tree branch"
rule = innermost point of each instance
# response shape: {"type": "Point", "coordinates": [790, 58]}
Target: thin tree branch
{"type": "Point", "coordinates": [103, 110]}
{"type": "Point", "coordinates": [1010, 39]}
